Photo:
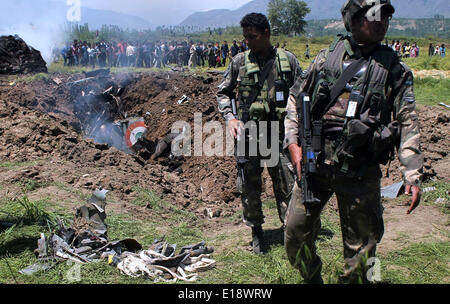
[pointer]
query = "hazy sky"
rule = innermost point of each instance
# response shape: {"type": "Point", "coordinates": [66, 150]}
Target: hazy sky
{"type": "Point", "coordinates": [162, 11]}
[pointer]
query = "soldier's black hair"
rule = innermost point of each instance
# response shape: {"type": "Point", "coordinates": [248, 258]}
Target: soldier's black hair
{"type": "Point", "coordinates": [259, 21]}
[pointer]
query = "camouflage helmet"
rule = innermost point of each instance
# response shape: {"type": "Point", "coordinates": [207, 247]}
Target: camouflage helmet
{"type": "Point", "coordinates": [371, 7]}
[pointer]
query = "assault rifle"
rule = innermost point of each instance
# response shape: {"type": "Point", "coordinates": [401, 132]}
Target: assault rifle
{"type": "Point", "coordinates": [240, 159]}
{"type": "Point", "coordinates": [310, 138]}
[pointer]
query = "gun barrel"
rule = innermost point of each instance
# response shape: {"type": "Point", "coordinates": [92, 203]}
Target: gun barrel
{"type": "Point", "coordinates": [233, 107]}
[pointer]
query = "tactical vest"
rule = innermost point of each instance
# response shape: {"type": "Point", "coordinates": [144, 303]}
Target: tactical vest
{"type": "Point", "coordinates": [275, 98]}
{"type": "Point", "coordinates": [373, 113]}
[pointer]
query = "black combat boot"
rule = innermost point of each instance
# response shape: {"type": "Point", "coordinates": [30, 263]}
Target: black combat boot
{"type": "Point", "coordinates": [314, 276]}
{"type": "Point", "coordinates": [258, 242]}
{"type": "Point", "coordinates": [316, 279]}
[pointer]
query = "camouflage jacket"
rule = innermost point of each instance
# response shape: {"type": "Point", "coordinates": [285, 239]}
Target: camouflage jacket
{"type": "Point", "coordinates": [226, 88]}
{"type": "Point", "coordinates": [400, 94]}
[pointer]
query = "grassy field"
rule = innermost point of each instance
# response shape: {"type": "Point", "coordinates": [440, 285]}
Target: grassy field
{"type": "Point", "coordinates": [416, 262]}
{"type": "Point", "coordinates": [413, 263]}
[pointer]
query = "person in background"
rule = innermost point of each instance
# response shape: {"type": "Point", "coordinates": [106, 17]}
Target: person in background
{"type": "Point", "coordinates": [442, 50]}
{"type": "Point", "coordinates": [224, 49]}
{"type": "Point", "coordinates": [234, 49]}
{"type": "Point", "coordinates": [430, 49]}
{"type": "Point", "coordinates": [437, 50]}
{"type": "Point", "coordinates": [413, 52]}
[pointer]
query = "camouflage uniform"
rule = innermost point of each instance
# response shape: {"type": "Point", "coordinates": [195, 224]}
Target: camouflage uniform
{"type": "Point", "coordinates": [282, 174]}
{"type": "Point", "coordinates": [358, 195]}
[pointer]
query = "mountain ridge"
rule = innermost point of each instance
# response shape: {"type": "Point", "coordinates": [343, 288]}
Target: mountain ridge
{"type": "Point", "coordinates": [404, 9]}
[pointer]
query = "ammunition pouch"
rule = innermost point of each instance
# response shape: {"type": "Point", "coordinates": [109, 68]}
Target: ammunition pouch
{"type": "Point", "coordinates": [281, 93]}
{"type": "Point", "coordinates": [320, 98]}
{"type": "Point", "coordinates": [351, 152]}
{"type": "Point", "coordinates": [384, 140]}
{"type": "Point", "coordinates": [361, 145]}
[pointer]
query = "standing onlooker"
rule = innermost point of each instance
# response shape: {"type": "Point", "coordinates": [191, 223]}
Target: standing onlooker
{"type": "Point", "coordinates": [442, 50]}
{"type": "Point", "coordinates": [199, 54]}
{"type": "Point", "coordinates": [413, 52]}
{"type": "Point", "coordinates": [65, 54]}
{"type": "Point", "coordinates": [398, 48]}
{"type": "Point", "coordinates": [192, 56]}
{"type": "Point", "coordinates": [243, 46]}
{"type": "Point", "coordinates": [430, 49]}
{"type": "Point", "coordinates": [224, 51]}
{"type": "Point", "coordinates": [407, 50]}
{"type": "Point", "coordinates": [120, 54]}
{"type": "Point", "coordinates": [211, 56]}
{"type": "Point", "coordinates": [131, 55]}
{"type": "Point", "coordinates": [92, 51]}
{"type": "Point", "coordinates": [437, 51]}
{"type": "Point", "coordinates": [234, 49]}
{"type": "Point", "coordinates": [307, 52]}
{"type": "Point", "coordinates": [102, 54]}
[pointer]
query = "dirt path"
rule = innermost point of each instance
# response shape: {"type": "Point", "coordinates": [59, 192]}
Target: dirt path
{"type": "Point", "coordinates": [431, 73]}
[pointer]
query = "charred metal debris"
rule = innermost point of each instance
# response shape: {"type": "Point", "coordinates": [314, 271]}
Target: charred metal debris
{"type": "Point", "coordinates": [86, 241]}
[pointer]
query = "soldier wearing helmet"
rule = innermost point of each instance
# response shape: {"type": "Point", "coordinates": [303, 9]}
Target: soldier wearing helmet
{"type": "Point", "coordinates": [362, 97]}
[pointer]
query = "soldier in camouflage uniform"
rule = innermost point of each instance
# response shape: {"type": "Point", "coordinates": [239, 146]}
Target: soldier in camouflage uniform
{"type": "Point", "coordinates": [243, 73]}
{"type": "Point", "coordinates": [385, 86]}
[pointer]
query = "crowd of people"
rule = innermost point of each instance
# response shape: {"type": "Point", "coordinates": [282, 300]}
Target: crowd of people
{"type": "Point", "coordinates": [148, 54]}
{"type": "Point", "coordinates": [405, 50]}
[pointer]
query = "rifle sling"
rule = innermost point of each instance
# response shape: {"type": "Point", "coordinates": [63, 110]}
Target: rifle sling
{"type": "Point", "coordinates": [262, 78]}
{"type": "Point", "coordinates": [346, 76]}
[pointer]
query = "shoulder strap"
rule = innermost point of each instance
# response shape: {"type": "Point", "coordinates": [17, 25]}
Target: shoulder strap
{"type": "Point", "coordinates": [261, 79]}
{"type": "Point", "coordinates": [335, 42]}
{"type": "Point", "coordinates": [336, 90]}
{"type": "Point", "coordinates": [346, 76]}
{"type": "Point", "coordinates": [284, 65]}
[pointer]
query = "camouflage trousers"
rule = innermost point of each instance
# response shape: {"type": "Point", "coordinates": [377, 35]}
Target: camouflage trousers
{"type": "Point", "coordinates": [361, 220]}
{"type": "Point", "coordinates": [282, 180]}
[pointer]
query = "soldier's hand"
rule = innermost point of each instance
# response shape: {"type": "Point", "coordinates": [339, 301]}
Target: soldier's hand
{"type": "Point", "coordinates": [235, 126]}
{"type": "Point", "coordinates": [295, 152]}
{"type": "Point", "coordinates": [415, 197]}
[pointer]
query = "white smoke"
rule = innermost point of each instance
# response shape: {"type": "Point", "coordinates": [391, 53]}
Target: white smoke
{"type": "Point", "coordinates": [41, 37]}
{"type": "Point", "coordinates": [38, 23]}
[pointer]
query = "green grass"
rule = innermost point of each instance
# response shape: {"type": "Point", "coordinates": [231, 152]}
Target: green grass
{"type": "Point", "coordinates": [425, 62]}
{"type": "Point", "coordinates": [442, 191]}
{"type": "Point", "coordinates": [8, 164]}
{"type": "Point", "coordinates": [32, 78]}
{"type": "Point", "coordinates": [58, 67]}
{"type": "Point", "coordinates": [421, 263]}
{"type": "Point", "coordinates": [431, 91]}
{"type": "Point", "coordinates": [416, 263]}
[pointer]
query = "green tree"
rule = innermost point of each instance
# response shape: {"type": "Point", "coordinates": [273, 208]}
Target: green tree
{"type": "Point", "coordinates": [287, 16]}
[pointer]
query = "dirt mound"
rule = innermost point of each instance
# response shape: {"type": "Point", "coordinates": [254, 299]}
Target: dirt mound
{"type": "Point", "coordinates": [16, 57]}
{"type": "Point", "coordinates": [435, 145]}
{"type": "Point", "coordinates": [39, 122]}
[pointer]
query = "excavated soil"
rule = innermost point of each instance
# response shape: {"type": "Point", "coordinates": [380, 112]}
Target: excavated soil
{"type": "Point", "coordinates": [37, 123]}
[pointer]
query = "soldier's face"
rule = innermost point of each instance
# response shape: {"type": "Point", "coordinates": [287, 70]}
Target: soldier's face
{"type": "Point", "coordinates": [368, 32]}
{"type": "Point", "coordinates": [256, 40]}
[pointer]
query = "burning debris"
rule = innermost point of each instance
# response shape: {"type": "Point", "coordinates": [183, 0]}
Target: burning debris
{"type": "Point", "coordinates": [16, 57]}
{"type": "Point", "coordinates": [103, 119]}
